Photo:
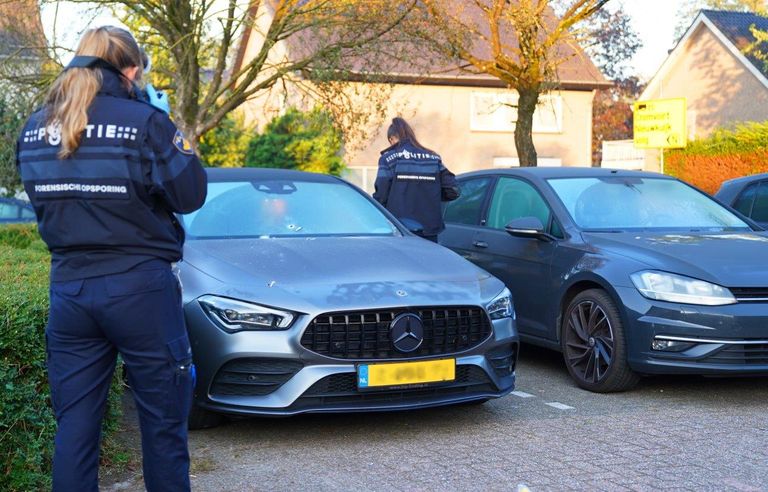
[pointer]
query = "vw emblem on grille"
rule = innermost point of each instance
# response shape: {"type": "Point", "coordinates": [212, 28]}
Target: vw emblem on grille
{"type": "Point", "coordinates": [406, 332]}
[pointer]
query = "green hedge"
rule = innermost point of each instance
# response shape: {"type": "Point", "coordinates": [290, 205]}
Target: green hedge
{"type": "Point", "coordinates": [26, 421]}
{"type": "Point", "coordinates": [744, 138]}
{"type": "Point", "coordinates": [27, 425]}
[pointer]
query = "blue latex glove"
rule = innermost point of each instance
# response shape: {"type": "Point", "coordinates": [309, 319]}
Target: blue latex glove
{"type": "Point", "coordinates": [158, 99]}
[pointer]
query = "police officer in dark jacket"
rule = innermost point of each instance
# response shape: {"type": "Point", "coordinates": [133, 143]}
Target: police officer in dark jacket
{"type": "Point", "coordinates": [412, 180]}
{"type": "Point", "coordinates": [105, 173]}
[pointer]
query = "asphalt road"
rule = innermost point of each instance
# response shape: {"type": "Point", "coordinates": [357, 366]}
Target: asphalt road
{"type": "Point", "coordinates": [682, 433]}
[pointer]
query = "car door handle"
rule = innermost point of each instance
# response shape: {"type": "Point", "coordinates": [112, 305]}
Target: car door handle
{"type": "Point", "coordinates": [480, 244]}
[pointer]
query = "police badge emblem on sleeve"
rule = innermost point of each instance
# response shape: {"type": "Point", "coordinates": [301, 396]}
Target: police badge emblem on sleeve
{"type": "Point", "coordinates": [182, 143]}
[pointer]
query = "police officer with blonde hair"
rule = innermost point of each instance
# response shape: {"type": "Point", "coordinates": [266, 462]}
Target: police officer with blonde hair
{"type": "Point", "coordinates": [105, 172]}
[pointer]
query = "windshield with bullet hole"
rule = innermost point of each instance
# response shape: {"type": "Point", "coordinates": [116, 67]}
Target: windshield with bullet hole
{"type": "Point", "coordinates": [282, 208]}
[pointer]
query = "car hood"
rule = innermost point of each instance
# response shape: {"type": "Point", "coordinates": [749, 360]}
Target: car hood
{"type": "Point", "coordinates": [728, 259]}
{"type": "Point", "coordinates": [336, 273]}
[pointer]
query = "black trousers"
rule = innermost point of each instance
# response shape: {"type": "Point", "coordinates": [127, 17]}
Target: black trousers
{"type": "Point", "coordinates": [138, 314]}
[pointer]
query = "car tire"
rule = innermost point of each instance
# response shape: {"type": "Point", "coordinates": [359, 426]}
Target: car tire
{"type": "Point", "coordinates": [200, 418]}
{"type": "Point", "coordinates": [594, 345]}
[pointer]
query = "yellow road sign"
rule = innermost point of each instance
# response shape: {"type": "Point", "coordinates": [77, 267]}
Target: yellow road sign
{"type": "Point", "coordinates": [660, 124]}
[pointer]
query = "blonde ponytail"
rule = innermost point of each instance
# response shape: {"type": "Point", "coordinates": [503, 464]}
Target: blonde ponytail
{"type": "Point", "coordinates": [70, 97]}
{"type": "Point", "coordinates": [73, 92]}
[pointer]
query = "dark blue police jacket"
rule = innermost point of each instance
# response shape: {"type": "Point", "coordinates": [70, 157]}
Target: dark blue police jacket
{"type": "Point", "coordinates": [109, 207]}
{"type": "Point", "coordinates": [412, 182]}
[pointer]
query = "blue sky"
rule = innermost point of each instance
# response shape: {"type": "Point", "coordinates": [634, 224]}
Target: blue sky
{"type": "Point", "coordinates": [654, 20]}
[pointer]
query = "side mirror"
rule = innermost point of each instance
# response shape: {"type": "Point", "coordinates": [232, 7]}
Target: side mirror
{"type": "Point", "coordinates": [412, 225]}
{"type": "Point", "coordinates": [529, 228]}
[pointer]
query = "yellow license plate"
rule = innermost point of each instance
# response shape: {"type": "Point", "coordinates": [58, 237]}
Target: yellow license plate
{"type": "Point", "coordinates": [404, 373]}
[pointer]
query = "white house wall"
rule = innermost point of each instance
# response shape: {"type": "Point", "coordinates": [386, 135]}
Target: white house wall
{"type": "Point", "coordinates": [269, 103]}
{"type": "Point", "coordinates": [721, 91]}
{"type": "Point", "coordinates": [441, 117]}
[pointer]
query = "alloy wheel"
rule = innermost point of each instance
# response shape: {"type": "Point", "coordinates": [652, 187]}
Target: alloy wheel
{"type": "Point", "coordinates": [589, 341]}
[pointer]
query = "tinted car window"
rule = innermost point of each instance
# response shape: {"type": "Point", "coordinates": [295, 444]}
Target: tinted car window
{"type": "Point", "coordinates": [27, 213]}
{"type": "Point", "coordinates": [514, 199]}
{"type": "Point", "coordinates": [556, 231]}
{"type": "Point", "coordinates": [760, 208]}
{"type": "Point", "coordinates": [745, 200]}
{"type": "Point", "coordinates": [467, 208]}
{"type": "Point", "coordinates": [269, 208]}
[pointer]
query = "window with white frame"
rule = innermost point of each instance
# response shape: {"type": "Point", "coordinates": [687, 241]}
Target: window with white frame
{"type": "Point", "coordinates": [496, 111]}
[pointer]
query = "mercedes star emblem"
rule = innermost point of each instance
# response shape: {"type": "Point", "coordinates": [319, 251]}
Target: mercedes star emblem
{"type": "Point", "coordinates": [407, 332]}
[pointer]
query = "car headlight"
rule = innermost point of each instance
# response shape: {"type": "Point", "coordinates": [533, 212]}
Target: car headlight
{"type": "Point", "coordinates": [233, 315]}
{"type": "Point", "coordinates": [677, 288]}
{"type": "Point", "coordinates": [501, 306]}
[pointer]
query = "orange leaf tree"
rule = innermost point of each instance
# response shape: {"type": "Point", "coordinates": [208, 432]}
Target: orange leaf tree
{"type": "Point", "coordinates": [520, 42]}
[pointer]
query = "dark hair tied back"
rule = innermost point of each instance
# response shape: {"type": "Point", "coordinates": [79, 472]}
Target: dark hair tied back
{"type": "Point", "coordinates": [401, 130]}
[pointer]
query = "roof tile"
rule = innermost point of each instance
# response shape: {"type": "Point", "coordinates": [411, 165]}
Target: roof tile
{"type": "Point", "coordinates": [736, 26]}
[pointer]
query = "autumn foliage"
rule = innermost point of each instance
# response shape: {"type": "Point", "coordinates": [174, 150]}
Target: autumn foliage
{"type": "Point", "coordinates": [727, 154]}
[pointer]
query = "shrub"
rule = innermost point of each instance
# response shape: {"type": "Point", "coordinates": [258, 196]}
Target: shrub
{"type": "Point", "coordinates": [727, 154]}
{"type": "Point", "coordinates": [307, 141]}
{"type": "Point", "coordinates": [226, 144]}
{"type": "Point", "coordinates": [27, 424]}
{"type": "Point", "coordinates": [26, 421]}
{"type": "Point", "coordinates": [16, 104]}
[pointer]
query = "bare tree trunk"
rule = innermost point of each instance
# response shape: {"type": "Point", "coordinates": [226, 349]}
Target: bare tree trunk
{"type": "Point", "coordinates": [186, 52]}
{"type": "Point", "coordinates": [526, 105]}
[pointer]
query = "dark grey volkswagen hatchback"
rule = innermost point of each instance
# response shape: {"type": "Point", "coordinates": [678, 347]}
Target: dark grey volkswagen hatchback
{"type": "Point", "coordinates": [626, 273]}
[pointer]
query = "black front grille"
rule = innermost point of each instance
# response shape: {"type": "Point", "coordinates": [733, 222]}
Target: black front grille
{"type": "Point", "coordinates": [741, 354]}
{"type": "Point", "coordinates": [365, 334]}
{"type": "Point", "coordinates": [253, 377]}
{"type": "Point", "coordinates": [341, 389]}
{"type": "Point", "coordinates": [747, 294]}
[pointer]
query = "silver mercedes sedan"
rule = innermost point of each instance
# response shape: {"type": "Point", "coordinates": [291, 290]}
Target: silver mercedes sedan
{"type": "Point", "coordinates": [302, 294]}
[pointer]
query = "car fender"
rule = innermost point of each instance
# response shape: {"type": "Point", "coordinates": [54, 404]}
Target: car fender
{"type": "Point", "coordinates": [578, 282]}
